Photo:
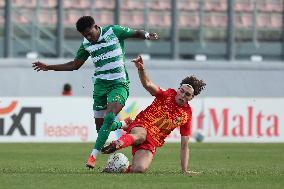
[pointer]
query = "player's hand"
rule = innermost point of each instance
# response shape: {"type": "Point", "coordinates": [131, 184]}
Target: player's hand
{"type": "Point", "coordinates": [38, 66]}
{"type": "Point", "coordinates": [153, 36]}
{"type": "Point", "coordinates": [138, 62]}
{"type": "Point", "coordinates": [191, 173]}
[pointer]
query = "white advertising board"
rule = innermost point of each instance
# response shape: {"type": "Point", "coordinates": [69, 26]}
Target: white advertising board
{"type": "Point", "coordinates": [70, 119]}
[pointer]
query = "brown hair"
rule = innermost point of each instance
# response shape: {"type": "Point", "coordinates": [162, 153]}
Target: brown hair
{"type": "Point", "coordinates": [198, 85]}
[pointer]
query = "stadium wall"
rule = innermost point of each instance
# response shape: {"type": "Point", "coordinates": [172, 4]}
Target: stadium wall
{"type": "Point", "coordinates": [224, 79]}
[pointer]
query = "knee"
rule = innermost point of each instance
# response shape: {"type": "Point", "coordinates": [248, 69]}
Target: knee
{"type": "Point", "coordinates": [140, 139]}
{"type": "Point", "coordinates": [139, 169]}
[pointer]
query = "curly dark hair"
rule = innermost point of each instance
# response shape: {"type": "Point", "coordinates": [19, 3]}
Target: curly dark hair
{"type": "Point", "coordinates": [198, 85]}
{"type": "Point", "coordinates": [84, 22]}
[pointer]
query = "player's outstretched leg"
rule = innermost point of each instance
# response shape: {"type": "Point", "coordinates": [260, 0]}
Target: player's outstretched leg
{"type": "Point", "coordinates": [116, 145]}
{"type": "Point", "coordinates": [110, 148]}
{"type": "Point", "coordinates": [124, 141]}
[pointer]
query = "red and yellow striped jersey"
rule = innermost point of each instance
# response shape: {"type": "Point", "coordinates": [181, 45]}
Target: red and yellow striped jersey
{"type": "Point", "coordinates": [164, 115]}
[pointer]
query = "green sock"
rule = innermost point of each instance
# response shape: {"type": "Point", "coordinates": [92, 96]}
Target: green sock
{"type": "Point", "coordinates": [104, 131]}
{"type": "Point", "coordinates": [116, 125]}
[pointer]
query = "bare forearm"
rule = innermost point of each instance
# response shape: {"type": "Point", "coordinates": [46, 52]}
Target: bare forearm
{"type": "Point", "coordinates": [69, 66]}
{"type": "Point", "coordinates": [184, 153]}
{"type": "Point", "coordinates": [184, 159]}
{"type": "Point", "coordinates": [144, 78]}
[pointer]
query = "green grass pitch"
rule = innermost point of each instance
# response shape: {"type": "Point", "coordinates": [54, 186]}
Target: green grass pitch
{"type": "Point", "coordinates": [39, 165]}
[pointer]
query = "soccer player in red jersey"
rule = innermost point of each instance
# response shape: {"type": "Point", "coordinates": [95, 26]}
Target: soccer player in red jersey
{"type": "Point", "coordinates": [170, 109]}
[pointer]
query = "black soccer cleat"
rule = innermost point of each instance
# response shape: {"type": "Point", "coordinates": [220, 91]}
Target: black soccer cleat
{"type": "Point", "coordinates": [112, 147]}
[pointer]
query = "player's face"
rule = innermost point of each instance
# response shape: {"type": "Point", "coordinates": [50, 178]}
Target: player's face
{"type": "Point", "coordinates": [92, 33]}
{"type": "Point", "coordinates": [184, 94]}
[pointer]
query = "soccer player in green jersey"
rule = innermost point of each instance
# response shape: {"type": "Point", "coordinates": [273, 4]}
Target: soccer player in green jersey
{"type": "Point", "coordinates": [105, 45]}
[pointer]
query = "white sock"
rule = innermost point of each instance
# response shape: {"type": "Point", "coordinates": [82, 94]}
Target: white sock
{"type": "Point", "coordinates": [123, 124]}
{"type": "Point", "coordinates": [95, 152]}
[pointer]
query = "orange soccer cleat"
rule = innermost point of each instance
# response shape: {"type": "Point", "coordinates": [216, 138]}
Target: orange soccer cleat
{"type": "Point", "coordinates": [91, 162]}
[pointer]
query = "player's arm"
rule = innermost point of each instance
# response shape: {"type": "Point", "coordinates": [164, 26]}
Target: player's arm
{"type": "Point", "coordinates": [69, 66]}
{"type": "Point", "coordinates": [125, 33]}
{"type": "Point", "coordinates": [81, 56]}
{"type": "Point", "coordinates": [184, 153]}
{"type": "Point", "coordinates": [185, 131]}
{"type": "Point", "coordinates": [151, 87]}
{"type": "Point", "coordinates": [184, 157]}
{"type": "Point", "coordinates": [141, 34]}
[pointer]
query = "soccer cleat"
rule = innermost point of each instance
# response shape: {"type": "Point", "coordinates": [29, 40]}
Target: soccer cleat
{"type": "Point", "coordinates": [112, 147]}
{"type": "Point", "coordinates": [91, 162]}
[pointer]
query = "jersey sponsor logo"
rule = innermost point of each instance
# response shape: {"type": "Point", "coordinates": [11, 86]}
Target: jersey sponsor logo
{"type": "Point", "coordinates": [108, 55]}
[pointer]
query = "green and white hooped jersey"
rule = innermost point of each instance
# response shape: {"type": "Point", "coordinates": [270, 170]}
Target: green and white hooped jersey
{"type": "Point", "coordinates": [108, 53]}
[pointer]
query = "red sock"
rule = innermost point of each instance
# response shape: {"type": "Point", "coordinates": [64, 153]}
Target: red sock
{"type": "Point", "coordinates": [126, 140]}
{"type": "Point", "coordinates": [129, 169]}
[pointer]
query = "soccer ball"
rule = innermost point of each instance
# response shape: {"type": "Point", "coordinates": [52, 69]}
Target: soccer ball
{"type": "Point", "coordinates": [117, 163]}
{"type": "Point", "coordinates": [199, 135]}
